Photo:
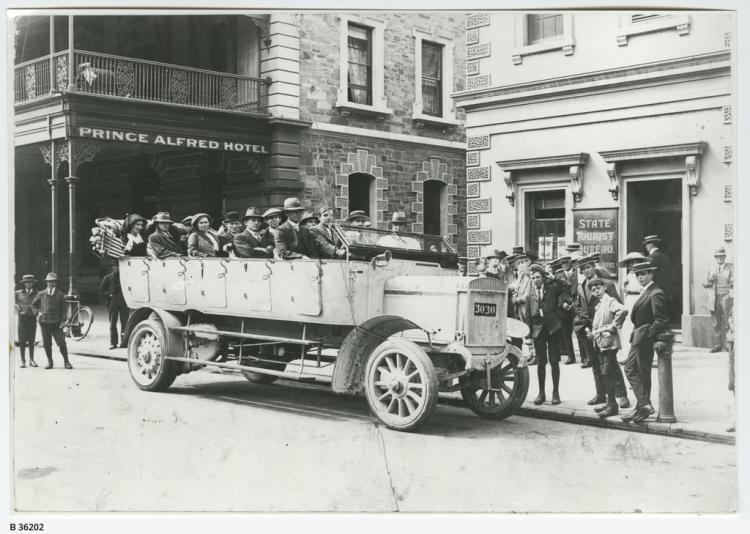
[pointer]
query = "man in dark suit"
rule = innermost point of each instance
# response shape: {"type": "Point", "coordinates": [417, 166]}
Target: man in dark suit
{"type": "Point", "coordinates": [253, 242]}
{"type": "Point", "coordinates": [545, 322]}
{"type": "Point", "coordinates": [230, 227]}
{"type": "Point", "coordinates": [650, 319]}
{"type": "Point", "coordinates": [585, 308]}
{"type": "Point", "coordinates": [308, 244]}
{"type": "Point", "coordinates": [288, 245]}
{"type": "Point", "coordinates": [558, 267]}
{"type": "Point", "coordinates": [26, 319]}
{"type": "Point", "coordinates": [165, 241]}
{"type": "Point", "coordinates": [325, 240]}
{"type": "Point", "coordinates": [663, 273]}
{"type": "Point", "coordinates": [115, 303]}
{"type": "Point", "coordinates": [49, 306]}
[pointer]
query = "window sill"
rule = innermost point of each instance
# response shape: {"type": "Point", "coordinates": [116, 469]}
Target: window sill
{"type": "Point", "coordinates": [679, 23]}
{"type": "Point", "coordinates": [363, 109]}
{"type": "Point", "coordinates": [565, 43]}
{"type": "Point", "coordinates": [434, 121]}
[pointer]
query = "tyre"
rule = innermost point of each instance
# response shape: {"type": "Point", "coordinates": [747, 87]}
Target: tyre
{"type": "Point", "coordinates": [401, 384]}
{"type": "Point", "coordinates": [148, 367]}
{"type": "Point", "coordinates": [85, 319]}
{"type": "Point", "coordinates": [508, 389]}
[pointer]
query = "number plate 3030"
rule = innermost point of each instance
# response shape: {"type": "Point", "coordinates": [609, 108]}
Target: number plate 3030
{"type": "Point", "coordinates": [485, 309]}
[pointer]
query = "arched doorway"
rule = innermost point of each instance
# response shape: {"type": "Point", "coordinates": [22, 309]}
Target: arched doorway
{"type": "Point", "coordinates": [362, 195]}
{"type": "Point", "coordinates": [435, 207]}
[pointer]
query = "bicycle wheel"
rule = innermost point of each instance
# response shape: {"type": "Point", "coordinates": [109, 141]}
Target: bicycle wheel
{"type": "Point", "coordinates": [84, 321]}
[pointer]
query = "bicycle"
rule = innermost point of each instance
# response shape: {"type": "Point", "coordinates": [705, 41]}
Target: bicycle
{"type": "Point", "coordinates": [79, 323]}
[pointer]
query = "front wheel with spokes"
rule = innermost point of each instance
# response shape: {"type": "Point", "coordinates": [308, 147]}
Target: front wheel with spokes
{"type": "Point", "coordinates": [401, 384]}
{"type": "Point", "coordinates": [506, 391]}
{"type": "Point", "coordinates": [146, 357]}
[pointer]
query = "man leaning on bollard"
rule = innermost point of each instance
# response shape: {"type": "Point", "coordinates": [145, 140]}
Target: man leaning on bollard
{"type": "Point", "coordinates": [719, 282]}
{"type": "Point", "coordinates": [650, 319]}
{"type": "Point", "coordinates": [49, 305]}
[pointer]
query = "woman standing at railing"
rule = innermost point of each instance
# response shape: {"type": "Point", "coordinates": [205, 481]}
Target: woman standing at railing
{"type": "Point", "coordinates": [203, 242]}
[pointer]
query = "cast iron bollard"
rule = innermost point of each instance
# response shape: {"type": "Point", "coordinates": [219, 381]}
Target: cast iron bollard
{"type": "Point", "coordinates": [663, 348]}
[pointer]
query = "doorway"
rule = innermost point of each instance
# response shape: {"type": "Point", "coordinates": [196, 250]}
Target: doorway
{"type": "Point", "coordinates": [655, 207]}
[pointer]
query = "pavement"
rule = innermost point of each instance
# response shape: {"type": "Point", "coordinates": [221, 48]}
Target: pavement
{"type": "Point", "coordinates": [703, 406]}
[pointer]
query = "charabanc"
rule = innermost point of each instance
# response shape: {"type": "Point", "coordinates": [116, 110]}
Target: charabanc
{"type": "Point", "coordinates": [398, 324]}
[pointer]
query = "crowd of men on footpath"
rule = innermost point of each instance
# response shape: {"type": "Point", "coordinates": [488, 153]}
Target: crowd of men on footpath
{"type": "Point", "coordinates": [575, 296]}
{"type": "Point", "coordinates": [287, 233]}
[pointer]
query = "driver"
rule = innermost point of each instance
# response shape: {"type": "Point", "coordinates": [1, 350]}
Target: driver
{"type": "Point", "coordinates": [356, 218]}
{"type": "Point", "coordinates": [398, 224]}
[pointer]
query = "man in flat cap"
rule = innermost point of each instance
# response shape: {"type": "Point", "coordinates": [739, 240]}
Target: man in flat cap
{"type": "Point", "coordinates": [720, 284]}
{"type": "Point", "coordinates": [49, 307]}
{"type": "Point", "coordinates": [649, 317]}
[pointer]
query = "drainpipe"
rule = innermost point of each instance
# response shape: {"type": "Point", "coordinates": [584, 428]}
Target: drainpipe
{"type": "Point", "coordinates": [52, 76]}
{"type": "Point", "coordinates": [53, 184]}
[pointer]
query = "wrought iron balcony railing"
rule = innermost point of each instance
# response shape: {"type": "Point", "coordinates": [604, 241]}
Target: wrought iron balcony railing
{"type": "Point", "coordinates": [151, 81]}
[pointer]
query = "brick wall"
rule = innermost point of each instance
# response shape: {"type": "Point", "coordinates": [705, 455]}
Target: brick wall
{"type": "Point", "coordinates": [319, 71]}
{"type": "Point", "coordinates": [323, 154]}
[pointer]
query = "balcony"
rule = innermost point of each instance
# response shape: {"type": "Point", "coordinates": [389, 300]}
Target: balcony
{"type": "Point", "coordinates": [124, 77]}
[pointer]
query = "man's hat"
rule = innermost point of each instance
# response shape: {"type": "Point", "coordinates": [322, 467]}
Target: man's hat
{"type": "Point", "coordinates": [399, 217]}
{"type": "Point", "coordinates": [573, 247]}
{"type": "Point", "coordinates": [597, 282]}
{"type": "Point", "coordinates": [559, 261]}
{"type": "Point", "coordinates": [323, 209]}
{"type": "Point", "coordinates": [720, 252]}
{"type": "Point", "coordinates": [556, 270]}
{"type": "Point", "coordinates": [187, 221]}
{"type": "Point", "coordinates": [231, 216]}
{"type": "Point", "coordinates": [518, 249]}
{"type": "Point", "coordinates": [293, 204]}
{"type": "Point", "coordinates": [162, 217]}
{"type": "Point", "coordinates": [536, 268]}
{"type": "Point", "coordinates": [499, 254]}
{"type": "Point", "coordinates": [270, 212]}
{"type": "Point", "coordinates": [28, 278]}
{"type": "Point", "coordinates": [632, 257]}
{"type": "Point", "coordinates": [644, 267]}
{"type": "Point", "coordinates": [307, 214]}
{"type": "Point", "coordinates": [651, 239]}
{"type": "Point", "coordinates": [51, 277]}
{"type": "Point", "coordinates": [596, 257]}
{"type": "Point", "coordinates": [521, 257]}
{"type": "Point", "coordinates": [356, 214]}
{"type": "Point", "coordinates": [585, 260]}
{"type": "Point", "coordinates": [198, 216]}
{"type": "Point", "coordinates": [253, 213]}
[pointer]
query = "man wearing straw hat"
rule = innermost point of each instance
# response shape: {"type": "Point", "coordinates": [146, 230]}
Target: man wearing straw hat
{"type": "Point", "coordinates": [49, 306]}
{"type": "Point", "coordinates": [165, 241]}
{"type": "Point", "coordinates": [719, 282]}
{"type": "Point", "coordinates": [398, 223]}
{"type": "Point", "coordinates": [26, 319]}
{"type": "Point", "coordinates": [253, 242]}
{"type": "Point", "coordinates": [650, 319]}
{"type": "Point", "coordinates": [288, 244]}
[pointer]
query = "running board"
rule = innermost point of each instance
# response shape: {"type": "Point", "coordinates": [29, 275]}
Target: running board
{"type": "Point", "coordinates": [293, 341]}
{"type": "Point", "coordinates": [260, 370]}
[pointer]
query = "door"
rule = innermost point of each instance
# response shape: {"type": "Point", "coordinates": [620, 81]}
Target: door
{"type": "Point", "coordinates": [655, 207]}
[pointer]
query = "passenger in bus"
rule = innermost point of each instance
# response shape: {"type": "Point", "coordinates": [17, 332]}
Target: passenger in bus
{"type": "Point", "coordinates": [272, 220]}
{"type": "Point", "coordinates": [288, 245]}
{"type": "Point", "coordinates": [253, 242]}
{"type": "Point", "coordinates": [325, 240]}
{"type": "Point", "coordinates": [133, 235]}
{"type": "Point", "coordinates": [230, 227]}
{"type": "Point", "coordinates": [203, 242]}
{"type": "Point", "coordinates": [398, 224]}
{"type": "Point", "coordinates": [165, 241]}
{"type": "Point", "coordinates": [356, 218]}
{"type": "Point", "coordinates": [307, 239]}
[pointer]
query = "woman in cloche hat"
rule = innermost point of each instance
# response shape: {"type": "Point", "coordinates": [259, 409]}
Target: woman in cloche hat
{"type": "Point", "coordinates": [203, 241]}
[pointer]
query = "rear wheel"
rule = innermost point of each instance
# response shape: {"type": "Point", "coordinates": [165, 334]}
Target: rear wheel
{"type": "Point", "coordinates": [148, 367]}
{"type": "Point", "coordinates": [83, 322]}
{"type": "Point", "coordinates": [401, 384]}
{"type": "Point", "coordinates": [507, 390]}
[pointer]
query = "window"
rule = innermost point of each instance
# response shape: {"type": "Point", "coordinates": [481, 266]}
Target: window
{"type": "Point", "coordinates": [359, 77]}
{"type": "Point", "coordinates": [543, 26]}
{"type": "Point", "coordinates": [645, 23]}
{"type": "Point", "coordinates": [432, 86]}
{"type": "Point", "coordinates": [361, 193]}
{"type": "Point", "coordinates": [545, 223]}
{"type": "Point", "coordinates": [642, 17]}
{"type": "Point", "coordinates": [362, 52]}
{"type": "Point", "coordinates": [434, 201]}
{"type": "Point", "coordinates": [537, 33]}
{"type": "Point", "coordinates": [433, 76]}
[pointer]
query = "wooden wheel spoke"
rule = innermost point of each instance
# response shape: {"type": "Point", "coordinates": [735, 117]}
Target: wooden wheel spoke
{"type": "Point", "coordinates": [492, 399]}
{"type": "Point", "coordinates": [402, 408]}
{"type": "Point", "coordinates": [390, 364]}
{"type": "Point", "coordinates": [414, 396]}
{"type": "Point", "coordinates": [391, 405]}
{"type": "Point", "coordinates": [410, 405]}
{"type": "Point", "coordinates": [399, 365]}
{"type": "Point", "coordinates": [483, 396]}
{"type": "Point", "coordinates": [508, 390]}
{"type": "Point", "coordinates": [500, 396]}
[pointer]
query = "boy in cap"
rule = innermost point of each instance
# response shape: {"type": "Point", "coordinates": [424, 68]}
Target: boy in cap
{"type": "Point", "coordinates": [26, 319]}
{"type": "Point", "coordinates": [720, 283]}
{"type": "Point", "coordinates": [49, 307]}
{"type": "Point", "coordinates": [609, 316]}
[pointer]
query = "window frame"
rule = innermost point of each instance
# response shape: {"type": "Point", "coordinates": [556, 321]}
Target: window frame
{"type": "Point", "coordinates": [564, 42]}
{"type": "Point", "coordinates": [542, 39]}
{"type": "Point", "coordinates": [680, 22]}
{"type": "Point", "coordinates": [368, 42]}
{"type": "Point", "coordinates": [448, 113]}
{"type": "Point", "coordinates": [530, 199]}
{"type": "Point", "coordinates": [377, 46]}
